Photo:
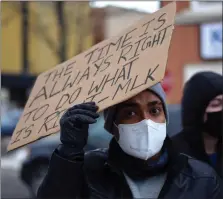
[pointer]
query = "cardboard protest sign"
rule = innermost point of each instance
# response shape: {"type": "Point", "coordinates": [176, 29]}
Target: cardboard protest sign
{"type": "Point", "coordinates": [108, 73]}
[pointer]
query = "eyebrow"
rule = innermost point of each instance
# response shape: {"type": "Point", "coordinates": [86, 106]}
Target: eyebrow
{"type": "Point", "coordinates": [218, 99]}
{"type": "Point", "coordinates": [152, 103]}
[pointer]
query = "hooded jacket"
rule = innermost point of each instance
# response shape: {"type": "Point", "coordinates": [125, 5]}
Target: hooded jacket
{"type": "Point", "coordinates": [100, 174]}
{"type": "Point", "coordinates": [198, 92]}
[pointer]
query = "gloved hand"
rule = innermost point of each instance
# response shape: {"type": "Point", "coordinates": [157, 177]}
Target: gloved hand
{"type": "Point", "coordinates": [75, 122]}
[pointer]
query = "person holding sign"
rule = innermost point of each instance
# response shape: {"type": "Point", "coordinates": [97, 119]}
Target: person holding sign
{"type": "Point", "coordinates": [202, 119]}
{"type": "Point", "coordinates": [139, 163]}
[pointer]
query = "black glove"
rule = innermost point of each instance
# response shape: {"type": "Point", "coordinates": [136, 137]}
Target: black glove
{"type": "Point", "coordinates": [75, 122]}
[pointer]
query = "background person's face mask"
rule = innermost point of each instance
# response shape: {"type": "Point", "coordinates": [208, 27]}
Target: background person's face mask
{"type": "Point", "coordinates": [142, 140]}
{"type": "Point", "coordinates": [214, 123]}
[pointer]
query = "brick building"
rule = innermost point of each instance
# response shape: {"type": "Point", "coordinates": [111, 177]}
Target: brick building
{"type": "Point", "coordinates": [185, 52]}
{"type": "Point", "coordinates": [184, 55]}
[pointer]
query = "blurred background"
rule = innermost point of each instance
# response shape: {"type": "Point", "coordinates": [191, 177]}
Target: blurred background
{"type": "Point", "coordinates": [36, 36]}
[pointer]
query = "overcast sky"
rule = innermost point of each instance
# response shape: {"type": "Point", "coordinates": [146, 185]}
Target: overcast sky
{"type": "Point", "coordinates": [147, 6]}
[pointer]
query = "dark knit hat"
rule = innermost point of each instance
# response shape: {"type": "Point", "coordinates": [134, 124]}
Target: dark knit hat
{"type": "Point", "coordinates": [109, 113]}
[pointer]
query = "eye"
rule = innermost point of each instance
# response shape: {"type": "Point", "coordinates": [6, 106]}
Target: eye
{"type": "Point", "coordinates": [155, 111]}
{"type": "Point", "coordinates": [129, 113]}
{"type": "Point", "coordinates": [216, 103]}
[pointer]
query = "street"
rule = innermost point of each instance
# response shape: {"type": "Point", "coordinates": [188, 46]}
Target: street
{"type": "Point", "coordinates": [11, 185]}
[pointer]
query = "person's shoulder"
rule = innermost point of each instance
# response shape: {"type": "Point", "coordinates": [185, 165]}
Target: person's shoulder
{"type": "Point", "coordinates": [204, 175]}
{"type": "Point", "coordinates": [198, 169]}
{"type": "Point", "coordinates": [95, 159]}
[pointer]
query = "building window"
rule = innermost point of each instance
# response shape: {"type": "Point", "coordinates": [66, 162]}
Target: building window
{"type": "Point", "coordinates": [211, 41]}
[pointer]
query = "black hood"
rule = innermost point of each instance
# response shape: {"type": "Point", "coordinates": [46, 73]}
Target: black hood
{"type": "Point", "coordinates": [198, 92]}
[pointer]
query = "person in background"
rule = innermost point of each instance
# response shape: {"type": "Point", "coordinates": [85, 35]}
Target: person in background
{"type": "Point", "coordinates": [202, 119]}
{"type": "Point", "coordinates": [139, 163]}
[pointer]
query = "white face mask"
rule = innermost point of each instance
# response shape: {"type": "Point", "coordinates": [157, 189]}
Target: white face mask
{"type": "Point", "coordinates": [143, 139]}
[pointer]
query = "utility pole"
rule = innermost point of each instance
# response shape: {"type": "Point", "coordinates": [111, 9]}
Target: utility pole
{"type": "Point", "coordinates": [25, 36]}
{"type": "Point", "coordinates": [62, 29]}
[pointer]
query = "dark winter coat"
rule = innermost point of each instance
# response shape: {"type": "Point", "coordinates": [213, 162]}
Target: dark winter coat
{"type": "Point", "coordinates": [99, 175]}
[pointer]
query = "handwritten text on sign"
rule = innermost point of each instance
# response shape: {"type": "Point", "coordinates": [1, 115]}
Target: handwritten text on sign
{"type": "Point", "coordinates": [108, 73]}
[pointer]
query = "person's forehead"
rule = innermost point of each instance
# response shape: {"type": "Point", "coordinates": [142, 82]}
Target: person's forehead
{"type": "Point", "coordinates": [144, 96]}
{"type": "Point", "coordinates": [219, 97]}
{"type": "Point", "coordinates": [215, 104]}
